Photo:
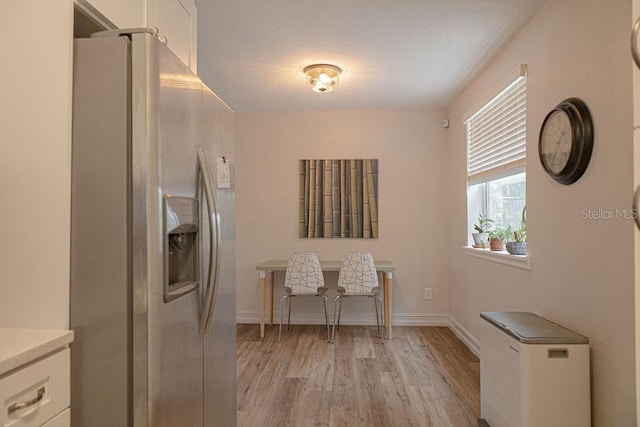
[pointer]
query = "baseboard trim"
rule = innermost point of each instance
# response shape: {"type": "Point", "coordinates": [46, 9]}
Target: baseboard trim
{"type": "Point", "coordinates": [251, 317]}
{"type": "Point", "coordinates": [465, 336]}
{"type": "Point", "coordinates": [427, 319]}
{"type": "Point", "coordinates": [399, 319]}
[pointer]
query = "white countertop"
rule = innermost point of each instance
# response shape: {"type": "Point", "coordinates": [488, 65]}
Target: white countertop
{"type": "Point", "coordinates": [21, 346]}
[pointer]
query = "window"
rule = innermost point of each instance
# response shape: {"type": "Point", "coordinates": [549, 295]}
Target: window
{"type": "Point", "coordinates": [496, 137]}
{"type": "Point", "coordinates": [501, 199]}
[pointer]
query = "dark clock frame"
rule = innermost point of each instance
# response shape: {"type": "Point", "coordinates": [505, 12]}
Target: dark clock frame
{"type": "Point", "coordinates": [581, 140]}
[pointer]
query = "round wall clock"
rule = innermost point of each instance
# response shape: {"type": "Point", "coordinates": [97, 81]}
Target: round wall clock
{"type": "Point", "coordinates": [566, 141]}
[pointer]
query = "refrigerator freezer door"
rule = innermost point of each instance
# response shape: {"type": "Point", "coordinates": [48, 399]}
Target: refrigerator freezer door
{"type": "Point", "coordinates": [166, 103]}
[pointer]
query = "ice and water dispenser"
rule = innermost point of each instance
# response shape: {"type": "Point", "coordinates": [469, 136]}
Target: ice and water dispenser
{"type": "Point", "coordinates": [181, 257]}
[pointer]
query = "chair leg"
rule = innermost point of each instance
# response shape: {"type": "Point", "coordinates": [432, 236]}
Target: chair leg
{"type": "Point", "coordinates": [381, 312]}
{"type": "Point", "coordinates": [281, 312]}
{"type": "Point", "coordinates": [375, 304]}
{"type": "Point", "coordinates": [339, 312]}
{"type": "Point", "coordinates": [381, 315]}
{"type": "Point", "coordinates": [326, 317]}
{"type": "Point", "coordinates": [289, 320]}
{"type": "Point", "coordinates": [336, 301]}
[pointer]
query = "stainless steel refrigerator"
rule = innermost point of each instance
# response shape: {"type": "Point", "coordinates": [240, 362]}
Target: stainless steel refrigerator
{"type": "Point", "coordinates": [153, 240]}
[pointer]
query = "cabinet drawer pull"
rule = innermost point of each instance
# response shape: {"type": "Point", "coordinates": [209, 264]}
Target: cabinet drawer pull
{"type": "Point", "coordinates": [558, 353]}
{"type": "Point", "coordinates": [17, 406]}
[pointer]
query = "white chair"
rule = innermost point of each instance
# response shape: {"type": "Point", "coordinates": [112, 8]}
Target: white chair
{"type": "Point", "coordinates": [358, 277]}
{"type": "Point", "coordinates": [303, 278]}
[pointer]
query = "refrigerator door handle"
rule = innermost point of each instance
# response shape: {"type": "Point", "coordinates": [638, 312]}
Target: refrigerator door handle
{"type": "Point", "coordinates": [634, 207]}
{"type": "Point", "coordinates": [211, 288]}
{"type": "Point", "coordinates": [634, 43]}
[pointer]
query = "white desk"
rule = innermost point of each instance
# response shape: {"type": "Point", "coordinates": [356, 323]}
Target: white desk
{"type": "Point", "coordinates": [271, 266]}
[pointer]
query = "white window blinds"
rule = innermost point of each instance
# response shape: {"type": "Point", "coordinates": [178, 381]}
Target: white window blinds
{"type": "Point", "coordinates": [497, 134]}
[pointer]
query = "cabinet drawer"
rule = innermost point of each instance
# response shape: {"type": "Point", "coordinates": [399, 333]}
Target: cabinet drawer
{"type": "Point", "coordinates": [63, 419]}
{"type": "Point", "coordinates": [36, 393]}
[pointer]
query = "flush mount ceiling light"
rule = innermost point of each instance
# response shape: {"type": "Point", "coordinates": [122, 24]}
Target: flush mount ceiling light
{"type": "Point", "coordinates": [322, 77]}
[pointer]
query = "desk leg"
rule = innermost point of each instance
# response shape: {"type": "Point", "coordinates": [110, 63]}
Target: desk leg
{"type": "Point", "coordinates": [272, 282]}
{"type": "Point", "coordinates": [388, 302]}
{"type": "Point", "coordinates": [263, 291]}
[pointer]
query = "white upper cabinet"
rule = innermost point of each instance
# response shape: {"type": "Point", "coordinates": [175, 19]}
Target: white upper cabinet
{"type": "Point", "coordinates": [121, 13]}
{"type": "Point", "coordinates": [177, 21]}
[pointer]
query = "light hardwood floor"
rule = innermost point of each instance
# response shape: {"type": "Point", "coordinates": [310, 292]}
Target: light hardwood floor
{"type": "Point", "coordinates": [424, 376]}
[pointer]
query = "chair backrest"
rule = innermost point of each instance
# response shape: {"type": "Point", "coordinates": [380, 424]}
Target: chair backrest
{"type": "Point", "coordinates": [358, 275]}
{"type": "Point", "coordinates": [304, 274]}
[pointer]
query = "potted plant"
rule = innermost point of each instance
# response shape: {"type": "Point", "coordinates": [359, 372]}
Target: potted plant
{"type": "Point", "coordinates": [482, 227]}
{"type": "Point", "coordinates": [497, 238]}
{"type": "Point", "coordinates": [519, 244]}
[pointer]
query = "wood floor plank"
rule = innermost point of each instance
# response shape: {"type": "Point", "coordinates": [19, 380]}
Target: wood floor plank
{"type": "Point", "coordinates": [396, 399]}
{"type": "Point", "coordinates": [425, 376]}
{"type": "Point", "coordinates": [376, 404]}
{"type": "Point", "coordinates": [310, 407]}
{"type": "Point", "coordinates": [320, 366]}
{"type": "Point", "coordinates": [300, 355]}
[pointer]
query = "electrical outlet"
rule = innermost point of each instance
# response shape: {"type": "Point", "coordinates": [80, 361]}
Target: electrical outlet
{"type": "Point", "coordinates": [427, 293]}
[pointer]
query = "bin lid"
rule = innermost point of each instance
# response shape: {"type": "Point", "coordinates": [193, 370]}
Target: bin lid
{"type": "Point", "coordinates": [529, 328]}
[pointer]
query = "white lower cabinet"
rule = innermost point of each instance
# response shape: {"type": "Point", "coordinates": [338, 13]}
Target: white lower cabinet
{"type": "Point", "coordinates": [532, 373]}
{"type": "Point", "coordinates": [500, 381]}
{"type": "Point", "coordinates": [63, 419]}
{"type": "Point", "coordinates": [37, 394]}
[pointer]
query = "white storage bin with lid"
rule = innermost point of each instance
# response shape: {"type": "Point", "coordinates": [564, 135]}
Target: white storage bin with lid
{"type": "Point", "coordinates": [533, 372]}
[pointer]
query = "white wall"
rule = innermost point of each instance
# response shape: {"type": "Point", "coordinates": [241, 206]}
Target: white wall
{"type": "Point", "coordinates": [35, 165]}
{"type": "Point", "coordinates": [410, 147]}
{"type": "Point", "coordinates": [583, 270]}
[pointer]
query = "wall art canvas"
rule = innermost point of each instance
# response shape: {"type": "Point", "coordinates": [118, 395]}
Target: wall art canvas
{"type": "Point", "coordinates": [338, 198]}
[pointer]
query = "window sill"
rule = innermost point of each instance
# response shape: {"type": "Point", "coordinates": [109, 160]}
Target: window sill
{"type": "Point", "coordinates": [501, 257]}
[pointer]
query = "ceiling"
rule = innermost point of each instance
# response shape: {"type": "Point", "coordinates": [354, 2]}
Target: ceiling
{"type": "Point", "coordinates": [394, 53]}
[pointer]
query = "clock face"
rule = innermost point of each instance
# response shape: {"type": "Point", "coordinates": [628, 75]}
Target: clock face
{"type": "Point", "coordinates": [555, 141]}
{"type": "Point", "coordinates": [566, 141]}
